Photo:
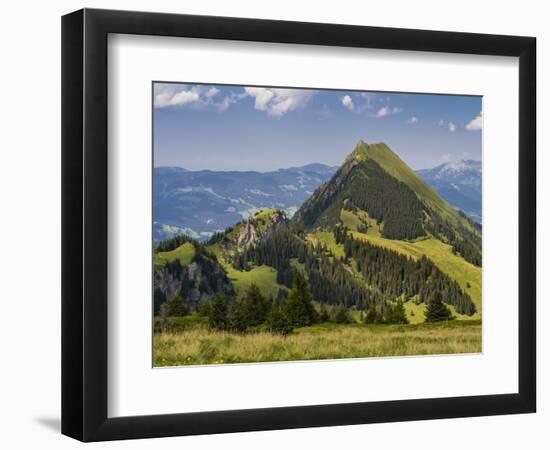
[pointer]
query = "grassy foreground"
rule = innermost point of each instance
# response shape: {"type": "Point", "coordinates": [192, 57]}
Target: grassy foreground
{"type": "Point", "coordinates": [323, 341]}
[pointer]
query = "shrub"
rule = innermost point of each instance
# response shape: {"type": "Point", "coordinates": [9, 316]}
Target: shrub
{"type": "Point", "coordinates": [324, 315]}
{"type": "Point", "coordinates": [341, 315]}
{"type": "Point", "coordinates": [373, 316]}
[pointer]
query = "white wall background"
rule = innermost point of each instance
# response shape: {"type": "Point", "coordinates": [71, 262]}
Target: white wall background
{"type": "Point", "coordinates": [30, 226]}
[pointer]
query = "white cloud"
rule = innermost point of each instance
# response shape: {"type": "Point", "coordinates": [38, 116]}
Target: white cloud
{"type": "Point", "coordinates": [358, 102]}
{"type": "Point", "coordinates": [212, 92]}
{"type": "Point", "coordinates": [348, 102]}
{"type": "Point", "coordinates": [452, 127]}
{"type": "Point", "coordinates": [412, 120]}
{"type": "Point", "coordinates": [277, 102]}
{"type": "Point", "coordinates": [445, 158]}
{"type": "Point", "coordinates": [384, 111]}
{"type": "Point", "coordinates": [476, 123]}
{"type": "Point", "coordinates": [171, 94]}
{"type": "Point", "coordinates": [441, 122]}
{"type": "Point", "coordinates": [224, 104]}
{"type": "Point", "coordinates": [387, 111]}
{"type": "Point", "coordinates": [174, 95]}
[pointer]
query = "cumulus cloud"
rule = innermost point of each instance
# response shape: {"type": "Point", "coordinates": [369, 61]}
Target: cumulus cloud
{"type": "Point", "coordinates": [174, 95]}
{"type": "Point", "coordinates": [412, 120]}
{"type": "Point", "coordinates": [277, 102]}
{"type": "Point", "coordinates": [196, 96]}
{"type": "Point", "coordinates": [212, 92]}
{"type": "Point", "coordinates": [476, 123]}
{"type": "Point", "coordinates": [348, 102]}
{"type": "Point", "coordinates": [441, 122]}
{"type": "Point", "coordinates": [452, 127]}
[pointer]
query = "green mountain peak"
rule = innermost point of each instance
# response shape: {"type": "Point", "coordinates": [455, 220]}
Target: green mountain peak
{"type": "Point", "coordinates": [397, 168]}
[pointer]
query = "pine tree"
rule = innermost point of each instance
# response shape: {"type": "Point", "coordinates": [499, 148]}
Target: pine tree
{"type": "Point", "coordinates": [176, 306]}
{"type": "Point", "coordinates": [395, 313]}
{"type": "Point", "coordinates": [218, 313]}
{"type": "Point", "coordinates": [249, 310]}
{"type": "Point", "coordinates": [255, 305]}
{"type": "Point", "coordinates": [277, 320]}
{"type": "Point", "coordinates": [298, 307]}
{"type": "Point", "coordinates": [437, 311]}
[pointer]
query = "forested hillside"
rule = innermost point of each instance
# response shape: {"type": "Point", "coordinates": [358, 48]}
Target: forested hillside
{"type": "Point", "coordinates": [372, 244]}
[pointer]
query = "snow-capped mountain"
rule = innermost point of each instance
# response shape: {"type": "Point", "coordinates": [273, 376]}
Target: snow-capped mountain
{"type": "Point", "coordinates": [458, 182]}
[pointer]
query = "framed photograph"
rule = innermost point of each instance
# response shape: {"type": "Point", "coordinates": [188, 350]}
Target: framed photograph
{"type": "Point", "coordinates": [273, 225]}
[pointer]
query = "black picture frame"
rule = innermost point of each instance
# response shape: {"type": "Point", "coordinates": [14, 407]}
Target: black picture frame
{"type": "Point", "coordinates": [84, 224]}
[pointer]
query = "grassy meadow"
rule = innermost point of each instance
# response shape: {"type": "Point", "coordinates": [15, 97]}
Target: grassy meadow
{"type": "Point", "coordinates": [193, 344]}
{"type": "Point", "coordinates": [184, 253]}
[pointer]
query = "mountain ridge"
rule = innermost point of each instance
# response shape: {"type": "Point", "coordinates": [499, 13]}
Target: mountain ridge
{"type": "Point", "coordinates": [200, 203]}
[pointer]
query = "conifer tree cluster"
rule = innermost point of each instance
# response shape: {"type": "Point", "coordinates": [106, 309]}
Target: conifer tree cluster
{"type": "Point", "coordinates": [368, 187]}
{"type": "Point", "coordinates": [242, 314]}
{"type": "Point", "coordinates": [397, 275]}
{"type": "Point", "coordinates": [464, 241]}
{"type": "Point", "coordinates": [173, 243]}
{"type": "Point", "coordinates": [388, 313]}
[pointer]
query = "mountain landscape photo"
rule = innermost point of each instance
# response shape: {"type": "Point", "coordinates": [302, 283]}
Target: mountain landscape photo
{"type": "Point", "coordinates": [356, 256]}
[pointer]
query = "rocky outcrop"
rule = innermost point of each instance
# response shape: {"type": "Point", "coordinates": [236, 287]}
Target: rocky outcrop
{"type": "Point", "coordinates": [247, 235]}
{"type": "Point", "coordinates": [201, 280]}
{"type": "Point", "coordinates": [259, 227]}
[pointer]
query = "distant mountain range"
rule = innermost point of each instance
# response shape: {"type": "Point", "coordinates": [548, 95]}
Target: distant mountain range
{"type": "Point", "coordinates": [200, 203]}
{"type": "Point", "coordinates": [458, 182]}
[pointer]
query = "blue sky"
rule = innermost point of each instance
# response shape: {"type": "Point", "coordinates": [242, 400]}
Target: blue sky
{"type": "Point", "coordinates": [254, 128]}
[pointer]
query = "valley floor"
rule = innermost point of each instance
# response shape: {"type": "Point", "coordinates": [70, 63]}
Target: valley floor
{"type": "Point", "coordinates": [323, 341]}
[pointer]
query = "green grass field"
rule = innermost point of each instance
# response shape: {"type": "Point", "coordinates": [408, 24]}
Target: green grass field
{"type": "Point", "coordinates": [324, 341]}
{"type": "Point", "coordinates": [264, 277]}
{"type": "Point", "coordinates": [327, 238]}
{"type": "Point", "coordinates": [353, 220]}
{"type": "Point", "coordinates": [184, 253]}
